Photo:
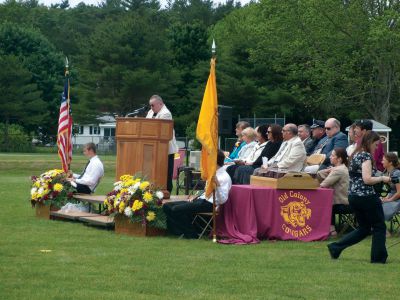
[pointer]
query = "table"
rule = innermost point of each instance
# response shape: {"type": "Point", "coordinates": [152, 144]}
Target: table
{"type": "Point", "coordinates": [253, 213]}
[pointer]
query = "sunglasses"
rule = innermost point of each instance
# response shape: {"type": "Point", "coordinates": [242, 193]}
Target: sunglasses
{"type": "Point", "coordinates": [328, 128]}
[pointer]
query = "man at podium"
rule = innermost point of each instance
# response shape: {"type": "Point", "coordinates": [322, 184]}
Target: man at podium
{"type": "Point", "coordinates": [160, 111]}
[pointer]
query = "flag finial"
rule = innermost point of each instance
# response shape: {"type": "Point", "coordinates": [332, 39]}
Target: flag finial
{"type": "Point", "coordinates": [66, 66]}
{"type": "Point", "coordinates": [213, 48]}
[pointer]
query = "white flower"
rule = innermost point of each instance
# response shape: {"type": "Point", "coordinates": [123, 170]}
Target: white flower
{"type": "Point", "coordinates": [160, 195]}
{"type": "Point", "coordinates": [128, 211]}
{"type": "Point", "coordinates": [40, 191]}
{"type": "Point", "coordinates": [33, 190]}
{"type": "Point", "coordinates": [132, 190]}
{"type": "Point", "coordinates": [136, 185]}
{"type": "Point", "coordinates": [117, 183]}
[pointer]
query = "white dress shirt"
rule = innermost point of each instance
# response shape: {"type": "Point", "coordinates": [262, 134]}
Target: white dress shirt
{"type": "Point", "coordinates": [92, 174]}
{"type": "Point", "coordinates": [222, 190]}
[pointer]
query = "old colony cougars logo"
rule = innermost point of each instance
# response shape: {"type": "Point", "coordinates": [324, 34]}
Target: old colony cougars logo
{"type": "Point", "coordinates": [295, 214]}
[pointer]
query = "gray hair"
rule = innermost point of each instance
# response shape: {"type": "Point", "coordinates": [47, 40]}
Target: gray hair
{"type": "Point", "coordinates": [292, 128]}
{"type": "Point", "coordinates": [158, 98]}
{"type": "Point", "coordinates": [306, 127]}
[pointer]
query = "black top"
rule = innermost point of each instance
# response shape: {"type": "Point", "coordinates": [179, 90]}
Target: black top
{"type": "Point", "coordinates": [270, 149]}
{"type": "Point", "coordinates": [357, 185]}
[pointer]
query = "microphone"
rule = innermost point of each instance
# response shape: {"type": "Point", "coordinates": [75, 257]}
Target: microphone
{"type": "Point", "coordinates": [138, 112]}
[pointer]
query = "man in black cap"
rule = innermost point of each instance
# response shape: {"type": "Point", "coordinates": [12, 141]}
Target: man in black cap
{"type": "Point", "coordinates": [318, 135]}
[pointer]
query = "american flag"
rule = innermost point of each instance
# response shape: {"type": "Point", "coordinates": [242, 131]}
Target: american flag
{"type": "Point", "coordinates": [64, 136]}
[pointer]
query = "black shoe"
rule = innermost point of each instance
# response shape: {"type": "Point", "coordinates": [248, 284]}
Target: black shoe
{"type": "Point", "coordinates": [334, 254]}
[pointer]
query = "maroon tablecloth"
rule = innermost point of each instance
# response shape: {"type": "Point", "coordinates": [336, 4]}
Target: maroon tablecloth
{"type": "Point", "coordinates": [253, 213]}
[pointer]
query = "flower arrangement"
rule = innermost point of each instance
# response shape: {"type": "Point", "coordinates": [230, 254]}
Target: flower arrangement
{"type": "Point", "coordinates": [138, 200]}
{"type": "Point", "coordinates": [48, 188]}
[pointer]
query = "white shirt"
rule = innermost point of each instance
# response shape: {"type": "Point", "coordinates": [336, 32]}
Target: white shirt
{"type": "Point", "coordinates": [165, 114]}
{"type": "Point", "coordinates": [222, 190]}
{"type": "Point", "coordinates": [93, 173]}
{"type": "Point", "coordinates": [247, 150]}
{"type": "Point", "coordinates": [256, 153]}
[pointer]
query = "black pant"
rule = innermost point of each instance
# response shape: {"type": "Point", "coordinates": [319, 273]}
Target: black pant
{"type": "Point", "coordinates": [171, 158]}
{"type": "Point", "coordinates": [180, 215]}
{"type": "Point", "coordinates": [369, 214]}
{"type": "Point", "coordinates": [83, 189]}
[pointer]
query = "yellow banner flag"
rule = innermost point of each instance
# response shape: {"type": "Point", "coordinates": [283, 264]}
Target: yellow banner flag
{"type": "Point", "coordinates": [207, 131]}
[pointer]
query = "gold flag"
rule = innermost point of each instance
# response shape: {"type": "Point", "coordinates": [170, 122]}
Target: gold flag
{"type": "Point", "coordinates": [207, 131]}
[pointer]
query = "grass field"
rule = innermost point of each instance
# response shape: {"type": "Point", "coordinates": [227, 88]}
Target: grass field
{"type": "Point", "coordinates": [90, 263]}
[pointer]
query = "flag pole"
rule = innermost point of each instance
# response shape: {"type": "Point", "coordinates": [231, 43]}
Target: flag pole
{"type": "Point", "coordinates": [214, 214]}
{"type": "Point", "coordinates": [66, 75]}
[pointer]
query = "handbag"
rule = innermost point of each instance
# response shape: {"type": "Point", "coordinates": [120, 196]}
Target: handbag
{"type": "Point", "coordinates": [382, 189]}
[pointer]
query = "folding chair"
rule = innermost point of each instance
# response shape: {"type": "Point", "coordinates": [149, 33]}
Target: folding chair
{"type": "Point", "coordinates": [189, 179]}
{"type": "Point", "coordinates": [347, 219]}
{"type": "Point", "coordinates": [204, 221]}
{"type": "Point", "coordinates": [395, 223]}
{"type": "Point", "coordinates": [313, 162]}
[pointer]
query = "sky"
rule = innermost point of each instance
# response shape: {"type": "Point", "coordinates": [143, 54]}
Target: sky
{"type": "Point", "coordinates": [73, 3]}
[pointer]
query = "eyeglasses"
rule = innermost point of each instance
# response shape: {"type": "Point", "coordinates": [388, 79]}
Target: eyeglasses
{"type": "Point", "coordinates": [328, 128]}
{"type": "Point", "coordinates": [269, 131]}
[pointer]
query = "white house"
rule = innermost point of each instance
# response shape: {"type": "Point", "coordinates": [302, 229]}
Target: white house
{"type": "Point", "coordinates": [101, 133]}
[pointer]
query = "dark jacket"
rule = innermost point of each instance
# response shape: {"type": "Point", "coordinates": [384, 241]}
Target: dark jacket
{"type": "Point", "coordinates": [339, 140]}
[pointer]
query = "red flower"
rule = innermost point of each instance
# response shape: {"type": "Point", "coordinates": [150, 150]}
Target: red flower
{"type": "Point", "coordinates": [50, 185]}
{"type": "Point", "coordinates": [46, 197]}
{"type": "Point", "coordinates": [70, 195]}
{"type": "Point", "coordinates": [55, 194]}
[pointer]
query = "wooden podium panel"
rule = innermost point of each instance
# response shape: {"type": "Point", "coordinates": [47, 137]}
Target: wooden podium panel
{"type": "Point", "coordinates": [142, 147]}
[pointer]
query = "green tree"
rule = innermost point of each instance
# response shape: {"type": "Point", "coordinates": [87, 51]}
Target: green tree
{"type": "Point", "coordinates": [20, 100]}
{"type": "Point", "coordinates": [40, 58]}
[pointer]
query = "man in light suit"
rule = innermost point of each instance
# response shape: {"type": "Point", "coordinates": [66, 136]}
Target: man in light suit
{"type": "Point", "coordinates": [292, 154]}
{"type": "Point", "coordinates": [160, 111]}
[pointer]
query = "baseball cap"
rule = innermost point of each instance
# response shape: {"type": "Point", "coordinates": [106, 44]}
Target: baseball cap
{"type": "Point", "coordinates": [364, 124]}
{"type": "Point", "coordinates": [318, 123]}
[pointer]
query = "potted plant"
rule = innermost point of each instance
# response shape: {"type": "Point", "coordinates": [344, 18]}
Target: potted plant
{"type": "Point", "coordinates": [49, 193]}
{"type": "Point", "coordinates": [136, 206]}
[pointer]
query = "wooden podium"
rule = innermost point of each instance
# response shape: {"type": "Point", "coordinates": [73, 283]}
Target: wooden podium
{"type": "Point", "coordinates": [142, 147]}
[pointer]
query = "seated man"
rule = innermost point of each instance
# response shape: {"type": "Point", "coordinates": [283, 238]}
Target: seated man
{"type": "Point", "coordinates": [87, 181]}
{"type": "Point", "coordinates": [181, 213]}
{"type": "Point", "coordinates": [336, 139]}
{"type": "Point", "coordinates": [290, 156]}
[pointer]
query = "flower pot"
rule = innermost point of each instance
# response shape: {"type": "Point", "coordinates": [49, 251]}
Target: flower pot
{"type": "Point", "coordinates": [43, 211]}
{"type": "Point", "coordinates": [125, 226]}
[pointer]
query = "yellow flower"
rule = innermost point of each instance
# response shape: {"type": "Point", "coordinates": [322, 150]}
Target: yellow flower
{"type": "Point", "coordinates": [121, 207]}
{"type": "Point", "coordinates": [144, 185]}
{"type": "Point", "coordinates": [58, 187]}
{"type": "Point", "coordinates": [37, 184]}
{"type": "Point", "coordinates": [151, 215]}
{"type": "Point", "coordinates": [147, 196]}
{"type": "Point", "coordinates": [129, 183]}
{"type": "Point", "coordinates": [125, 177]}
{"type": "Point", "coordinates": [137, 205]}
{"type": "Point", "coordinates": [124, 191]}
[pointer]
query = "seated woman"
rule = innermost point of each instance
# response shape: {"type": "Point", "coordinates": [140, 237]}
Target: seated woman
{"type": "Point", "coordinates": [240, 126]}
{"type": "Point", "coordinates": [336, 178]}
{"type": "Point", "coordinates": [269, 141]}
{"type": "Point", "coordinates": [249, 136]}
{"type": "Point", "coordinates": [391, 203]}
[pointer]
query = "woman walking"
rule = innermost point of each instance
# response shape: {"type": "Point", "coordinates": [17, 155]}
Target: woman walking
{"type": "Point", "coordinates": [365, 202]}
